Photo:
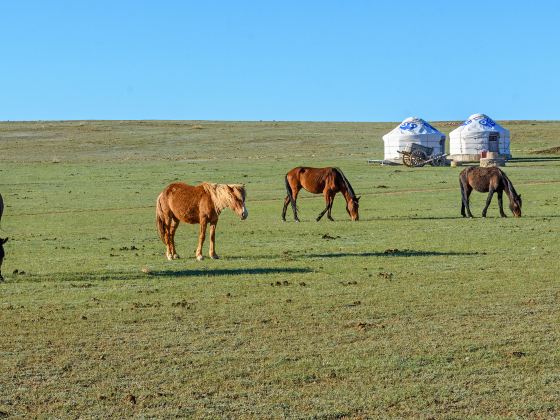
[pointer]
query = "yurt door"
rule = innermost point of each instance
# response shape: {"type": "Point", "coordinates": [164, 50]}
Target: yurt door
{"type": "Point", "coordinates": [493, 142]}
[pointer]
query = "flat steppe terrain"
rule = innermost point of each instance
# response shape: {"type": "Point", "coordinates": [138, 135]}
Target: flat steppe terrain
{"type": "Point", "coordinates": [411, 312]}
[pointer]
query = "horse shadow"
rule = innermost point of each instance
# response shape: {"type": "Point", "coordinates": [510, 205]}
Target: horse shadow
{"type": "Point", "coordinates": [392, 253]}
{"type": "Point", "coordinates": [393, 218]}
{"type": "Point", "coordinates": [229, 272]}
{"type": "Point", "coordinates": [83, 279]}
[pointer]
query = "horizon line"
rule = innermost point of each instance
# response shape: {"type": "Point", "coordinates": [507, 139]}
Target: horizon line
{"type": "Point", "coordinates": [245, 121]}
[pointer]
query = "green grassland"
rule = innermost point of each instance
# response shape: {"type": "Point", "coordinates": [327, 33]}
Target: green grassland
{"type": "Point", "coordinates": [411, 312]}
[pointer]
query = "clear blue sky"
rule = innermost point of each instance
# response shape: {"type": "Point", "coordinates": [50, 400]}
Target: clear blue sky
{"type": "Point", "coordinates": [285, 60]}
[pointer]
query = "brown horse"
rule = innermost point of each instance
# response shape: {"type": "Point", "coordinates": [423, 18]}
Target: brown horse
{"type": "Point", "coordinates": [491, 180]}
{"type": "Point", "coordinates": [328, 181]}
{"type": "Point", "coordinates": [201, 204]}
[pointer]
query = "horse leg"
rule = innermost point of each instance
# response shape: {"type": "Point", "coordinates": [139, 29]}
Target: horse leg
{"type": "Point", "coordinates": [501, 203]}
{"type": "Point", "coordinates": [322, 213]}
{"type": "Point", "coordinates": [167, 239]}
{"type": "Point", "coordinates": [331, 201]}
{"type": "Point", "coordinates": [326, 208]}
{"type": "Point", "coordinates": [168, 250]}
{"type": "Point", "coordinates": [462, 199]}
{"type": "Point", "coordinates": [286, 203]}
{"type": "Point", "coordinates": [468, 191]}
{"type": "Point", "coordinates": [172, 229]}
{"type": "Point", "coordinates": [488, 200]}
{"type": "Point", "coordinates": [328, 205]}
{"type": "Point", "coordinates": [201, 237]}
{"type": "Point", "coordinates": [295, 192]}
{"type": "Point", "coordinates": [212, 251]}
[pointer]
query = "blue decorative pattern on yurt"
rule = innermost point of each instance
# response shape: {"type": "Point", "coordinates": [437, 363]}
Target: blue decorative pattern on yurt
{"type": "Point", "coordinates": [408, 126]}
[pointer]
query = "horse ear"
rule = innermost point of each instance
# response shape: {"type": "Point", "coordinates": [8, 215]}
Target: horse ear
{"type": "Point", "coordinates": [3, 241]}
{"type": "Point", "coordinates": [358, 198]}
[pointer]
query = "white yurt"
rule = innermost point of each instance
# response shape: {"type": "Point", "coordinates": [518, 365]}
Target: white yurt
{"type": "Point", "coordinates": [477, 134]}
{"type": "Point", "coordinates": [412, 130]}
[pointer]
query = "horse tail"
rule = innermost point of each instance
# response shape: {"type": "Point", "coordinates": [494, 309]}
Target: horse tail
{"type": "Point", "coordinates": [290, 195]}
{"type": "Point", "coordinates": [160, 222]}
{"type": "Point", "coordinates": [346, 182]}
{"type": "Point", "coordinates": [463, 181]}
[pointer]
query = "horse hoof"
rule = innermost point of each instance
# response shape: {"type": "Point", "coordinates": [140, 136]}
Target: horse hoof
{"type": "Point", "coordinates": [169, 257]}
{"type": "Point", "coordinates": [199, 257]}
{"type": "Point", "coordinates": [214, 257]}
{"type": "Point", "coordinates": [176, 256]}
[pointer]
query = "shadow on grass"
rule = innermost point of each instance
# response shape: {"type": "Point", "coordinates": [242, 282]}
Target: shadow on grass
{"type": "Point", "coordinates": [228, 272]}
{"type": "Point", "coordinates": [537, 159]}
{"type": "Point", "coordinates": [82, 279]}
{"type": "Point", "coordinates": [391, 253]}
{"type": "Point", "coordinates": [394, 218]}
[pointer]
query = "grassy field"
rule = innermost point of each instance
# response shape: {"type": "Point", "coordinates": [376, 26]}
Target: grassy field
{"type": "Point", "coordinates": [411, 312]}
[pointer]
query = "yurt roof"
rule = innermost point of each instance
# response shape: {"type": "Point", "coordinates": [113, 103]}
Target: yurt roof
{"type": "Point", "coordinates": [478, 123]}
{"type": "Point", "coordinates": [413, 126]}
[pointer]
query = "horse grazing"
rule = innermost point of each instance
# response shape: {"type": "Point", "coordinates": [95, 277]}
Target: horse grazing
{"type": "Point", "coordinates": [328, 181]}
{"type": "Point", "coordinates": [491, 180]}
{"type": "Point", "coordinates": [201, 204]}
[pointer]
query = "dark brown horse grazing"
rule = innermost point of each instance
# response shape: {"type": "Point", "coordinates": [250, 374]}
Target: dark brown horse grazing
{"type": "Point", "coordinates": [328, 181]}
{"type": "Point", "coordinates": [201, 204]}
{"type": "Point", "coordinates": [491, 180]}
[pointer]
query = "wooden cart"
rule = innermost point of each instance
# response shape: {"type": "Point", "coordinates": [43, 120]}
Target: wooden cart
{"type": "Point", "coordinates": [415, 155]}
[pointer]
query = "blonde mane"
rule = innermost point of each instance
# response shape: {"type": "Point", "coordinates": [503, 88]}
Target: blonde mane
{"type": "Point", "coordinates": [222, 195]}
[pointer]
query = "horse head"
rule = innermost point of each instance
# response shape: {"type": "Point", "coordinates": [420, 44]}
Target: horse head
{"type": "Point", "coordinates": [238, 194]}
{"type": "Point", "coordinates": [352, 206]}
{"type": "Point", "coordinates": [515, 205]}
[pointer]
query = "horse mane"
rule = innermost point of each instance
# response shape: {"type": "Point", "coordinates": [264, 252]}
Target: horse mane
{"type": "Point", "coordinates": [222, 195]}
{"type": "Point", "coordinates": [509, 186]}
{"type": "Point", "coordinates": [346, 183]}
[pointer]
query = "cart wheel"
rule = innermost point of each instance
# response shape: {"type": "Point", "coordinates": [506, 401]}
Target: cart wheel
{"type": "Point", "coordinates": [406, 160]}
{"type": "Point", "coordinates": [418, 158]}
{"type": "Point", "coordinates": [440, 161]}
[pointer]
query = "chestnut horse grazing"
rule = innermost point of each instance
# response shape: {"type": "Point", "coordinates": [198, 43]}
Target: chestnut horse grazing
{"type": "Point", "coordinates": [201, 204]}
{"type": "Point", "coordinates": [491, 180]}
{"type": "Point", "coordinates": [327, 181]}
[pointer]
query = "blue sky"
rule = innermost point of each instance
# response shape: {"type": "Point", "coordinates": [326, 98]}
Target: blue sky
{"type": "Point", "coordinates": [288, 60]}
